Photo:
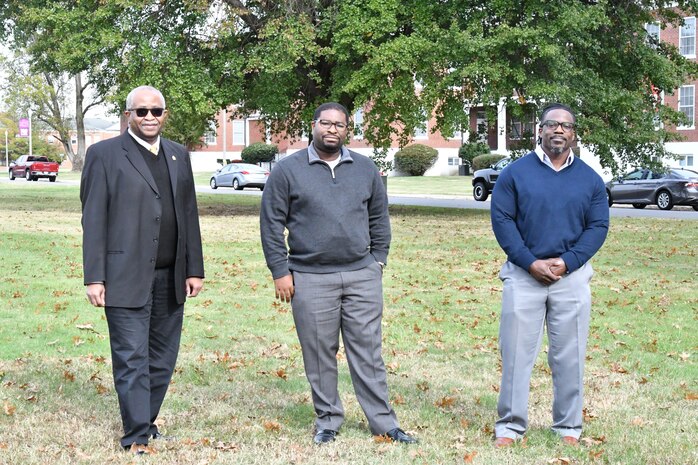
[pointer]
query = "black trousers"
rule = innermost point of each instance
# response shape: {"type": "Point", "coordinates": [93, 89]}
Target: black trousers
{"type": "Point", "coordinates": [144, 346]}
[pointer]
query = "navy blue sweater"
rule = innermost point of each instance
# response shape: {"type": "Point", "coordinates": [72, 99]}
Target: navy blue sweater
{"type": "Point", "coordinates": [540, 213]}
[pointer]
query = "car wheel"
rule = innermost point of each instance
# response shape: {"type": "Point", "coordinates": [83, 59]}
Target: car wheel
{"type": "Point", "coordinates": [480, 192]}
{"type": "Point", "coordinates": [213, 184]}
{"type": "Point", "coordinates": [27, 176]}
{"type": "Point", "coordinates": [236, 185]}
{"type": "Point", "coordinates": [52, 179]}
{"type": "Point", "coordinates": [639, 206]}
{"type": "Point", "coordinates": [35, 178]}
{"type": "Point", "coordinates": [664, 200]}
{"type": "Point", "coordinates": [695, 207]}
{"type": "Point", "coordinates": [609, 198]}
{"type": "Point", "coordinates": [11, 175]}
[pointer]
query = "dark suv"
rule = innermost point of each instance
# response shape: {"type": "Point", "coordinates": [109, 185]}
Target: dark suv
{"type": "Point", "coordinates": [483, 180]}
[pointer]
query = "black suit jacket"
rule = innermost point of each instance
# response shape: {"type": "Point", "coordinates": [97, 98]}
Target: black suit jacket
{"type": "Point", "coordinates": [121, 210]}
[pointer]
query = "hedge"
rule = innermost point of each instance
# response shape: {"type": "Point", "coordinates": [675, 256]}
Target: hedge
{"type": "Point", "coordinates": [484, 161]}
{"type": "Point", "coordinates": [259, 152]}
{"type": "Point", "coordinates": [416, 159]}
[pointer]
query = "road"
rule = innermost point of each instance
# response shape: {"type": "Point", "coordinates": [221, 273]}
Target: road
{"type": "Point", "coordinates": [620, 211]}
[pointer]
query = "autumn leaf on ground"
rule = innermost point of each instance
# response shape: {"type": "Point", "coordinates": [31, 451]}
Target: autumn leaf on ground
{"type": "Point", "coordinates": [416, 329]}
{"type": "Point", "coordinates": [398, 400]}
{"type": "Point", "coordinates": [226, 447]}
{"type": "Point", "coordinates": [637, 421]}
{"type": "Point", "coordinates": [616, 368]}
{"type": "Point", "coordinates": [465, 424]}
{"type": "Point", "coordinates": [272, 426]}
{"type": "Point", "coordinates": [281, 373]}
{"type": "Point", "coordinates": [560, 461]}
{"type": "Point", "coordinates": [69, 376]}
{"type": "Point", "coordinates": [468, 458]}
{"type": "Point", "coordinates": [595, 454]}
{"type": "Point", "coordinates": [382, 439]}
{"type": "Point", "coordinates": [9, 409]}
{"type": "Point", "coordinates": [595, 441]}
{"type": "Point", "coordinates": [3, 445]}
{"type": "Point", "coordinates": [447, 401]}
{"type": "Point", "coordinates": [423, 386]}
{"type": "Point", "coordinates": [691, 396]}
{"type": "Point", "coordinates": [101, 389]}
{"type": "Point", "coordinates": [77, 341]}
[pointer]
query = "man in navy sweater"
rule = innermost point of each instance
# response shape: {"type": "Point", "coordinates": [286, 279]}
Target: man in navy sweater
{"type": "Point", "coordinates": [550, 216]}
{"type": "Point", "coordinates": [335, 208]}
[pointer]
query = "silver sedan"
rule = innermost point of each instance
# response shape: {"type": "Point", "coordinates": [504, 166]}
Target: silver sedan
{"type": "Point", "coordinates": [238, 176]}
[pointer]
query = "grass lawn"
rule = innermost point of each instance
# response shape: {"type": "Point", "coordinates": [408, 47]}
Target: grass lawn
{"type": "Point", "coordinates": [239, 395]}
{"type": "Point", "coordinates": [452, 186]}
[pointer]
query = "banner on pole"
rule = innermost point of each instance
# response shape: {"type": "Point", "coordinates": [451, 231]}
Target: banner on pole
{"type": "Point", "coordinates": [24, 127]}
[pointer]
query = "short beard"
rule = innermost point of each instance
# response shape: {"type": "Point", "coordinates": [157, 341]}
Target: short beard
{"type": "Point", "coordinates": [557, 150]}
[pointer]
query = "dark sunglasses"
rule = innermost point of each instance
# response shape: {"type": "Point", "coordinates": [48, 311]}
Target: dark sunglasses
{"type": "Point", "coordinates": [143, 112]}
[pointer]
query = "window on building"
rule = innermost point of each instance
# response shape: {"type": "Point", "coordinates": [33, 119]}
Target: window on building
{"type": "Point", "coordinates": [422, 132]}
{"type": "Point", "coordinates": [687, 37]}
{"type": "Point", "coordinates": [686, 161]}
{"type": "Point", "coordinates": [359, 124]}
{"type": "Point", "coordinates": [687, 104]}
{"type": "Point", "coordinates": [454, 161]}
{"type": "Point", "coordinates": [238, 132]}
{"type": "Point", "coordinates": [481, 126]}
{"type": "Point", "coordinates": [652, 33]}
{"type": "Point", "coordinates": [210, 137]}
{"type": "Point", "coordinates": [522, 129]}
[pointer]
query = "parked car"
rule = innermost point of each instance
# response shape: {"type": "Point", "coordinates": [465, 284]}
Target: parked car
{"type": "Point", "coordinates": [642, 187]}
{"type": "Point", "coordinates": [484, 180]}
{"type": "Point", "coordinates": [238, 176]}
{"type": "Point", "coordinates": [32, 168]}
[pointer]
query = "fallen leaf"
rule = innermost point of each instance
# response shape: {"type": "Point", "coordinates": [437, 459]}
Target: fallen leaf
{"type": "Point", "coordinates": [423, 386]}
{"type": "Point", "coordinates": [272, 426]}
{"type": "Point", "coordinates": [444, 402]}
{"type": "Point", "coordinates": [69, 376]}
{"type": "Point", "coordinates": [281, 373]}
{"type": "Point", "coordinates": [595, 454]}
{"type": "Point", "coordinates": [226, 447]}
{"type": "Point", "coordinates": [382, 439]}
{"type": "Point", "coordinates": [398, 400]}
{"type": "Point", "coordinates": [637, 421]}
{"type": "Point", "coordinates": [560, 461]}
{"type": "Point", "coordinates": [101, 389]}
{"type": "Point", "coordinates": [691, 396]}
{"type": "Point", "coordinates": [9, 409]}
{"type": "Point", "coordinates": [464, 423]}
{"type": "Point", "coordinates": [416, 329]}
{"type": "Point", "coordinates": [468, 458]}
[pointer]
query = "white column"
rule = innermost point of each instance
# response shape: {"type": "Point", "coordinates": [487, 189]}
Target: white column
{"type": "Point", "coordinates": [225, 134]}
{"type": "Point", "coordinates": [501, 127]}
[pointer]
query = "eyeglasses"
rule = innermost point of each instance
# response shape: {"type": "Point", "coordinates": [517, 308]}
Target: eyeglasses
{"type": "Point", "coordinates": [143, 112]}
{"type": "Point", "coordinates": [325, 124]}
{"type": "Point", "coordinates": [552, 124]}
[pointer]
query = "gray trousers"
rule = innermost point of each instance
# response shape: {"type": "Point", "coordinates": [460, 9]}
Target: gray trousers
{"type": "Point", "coordinates": [350, 302]}
{"type": "Point", "coordinates": [144, 346]}
{"type": "Point", "coordinates": [527, 305]}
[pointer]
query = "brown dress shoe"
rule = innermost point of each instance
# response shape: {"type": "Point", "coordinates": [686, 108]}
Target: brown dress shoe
{"type": "Point", "coordinates": [570, 441]}
{"type": "Point", "coordinates": [501, 443]}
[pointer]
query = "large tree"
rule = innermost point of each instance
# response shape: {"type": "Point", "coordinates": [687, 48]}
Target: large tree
{"type": "Point", "coordinates": [402, 59]}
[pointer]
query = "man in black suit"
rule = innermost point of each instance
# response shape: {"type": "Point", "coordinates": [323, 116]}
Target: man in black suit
{"type": "Point", "coordinates": [141, 256]}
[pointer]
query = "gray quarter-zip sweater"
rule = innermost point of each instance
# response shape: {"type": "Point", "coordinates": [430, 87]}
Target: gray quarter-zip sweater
{"type": "Point", "coordinates": [335, 221]}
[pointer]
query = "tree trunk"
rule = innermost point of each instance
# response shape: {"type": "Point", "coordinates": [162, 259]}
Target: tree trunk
{"type": "Point", "coordinates": [79, 158]}
{"type": "Point", "coordinates": [55, 119]}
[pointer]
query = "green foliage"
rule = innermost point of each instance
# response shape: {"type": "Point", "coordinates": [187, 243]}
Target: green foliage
{"type": "Point", "coordinates": [415, 159]}
{"type": "Point", "coordinates": [280, 60]}
{"type": "Point", "coordinates": [485, 161]}
{"type": "Point", "coordinates": [470, 150]}
{"type": "Point", "coordinates": [18, 146]}
{"type": "Point", "coordinates": [259, 152]}
{"type": "Point", "coordinates": [380, 158]}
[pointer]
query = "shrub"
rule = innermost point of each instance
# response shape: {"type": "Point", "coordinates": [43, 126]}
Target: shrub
{"type": "Point", "coordinates": [259, 152]}
{"type": "Point", "coordinates": [484, 161]}
{"type": "Point", "coordinates": [470, 150]}
{"type": "Point", "coordinates": [415, 159]}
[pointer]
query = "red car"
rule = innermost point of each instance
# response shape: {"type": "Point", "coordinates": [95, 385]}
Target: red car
{"type": "Point", "coordinates": [32, 168]}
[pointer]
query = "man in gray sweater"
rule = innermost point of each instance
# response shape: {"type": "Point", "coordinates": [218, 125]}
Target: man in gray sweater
{"type": "Point", "coordinates": [335, 208]}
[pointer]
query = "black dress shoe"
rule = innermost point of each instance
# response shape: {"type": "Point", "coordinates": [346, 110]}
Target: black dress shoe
{"type": "Point", "coordinates": [324, 436]}
{"type": "Point", "coordinates": [398, 435]}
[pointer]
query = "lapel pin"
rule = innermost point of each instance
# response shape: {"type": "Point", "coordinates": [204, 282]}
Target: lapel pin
{"type": "Point", "coordinates": [174, 158]}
